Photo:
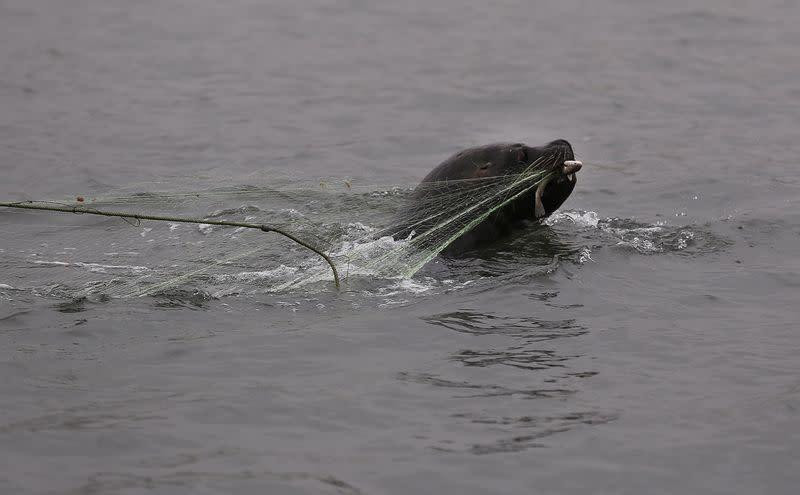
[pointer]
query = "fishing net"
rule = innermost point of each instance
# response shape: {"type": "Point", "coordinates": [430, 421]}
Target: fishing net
{"type": "Point", "coordinates": [366, 231]}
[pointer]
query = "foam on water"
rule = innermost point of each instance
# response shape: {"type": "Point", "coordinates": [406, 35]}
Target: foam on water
{"type": "Point", "coordinates": [580, 218]}
{"type": "Point", "coordinates": [353, 259]}
{"type": "Point", "coordinates": [626, 233]}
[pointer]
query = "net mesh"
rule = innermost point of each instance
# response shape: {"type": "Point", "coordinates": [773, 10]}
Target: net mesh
{"type": "Point", "coordinates": [367, 231]}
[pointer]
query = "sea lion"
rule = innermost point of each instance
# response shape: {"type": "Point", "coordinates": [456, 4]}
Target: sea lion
{"type": "Point", "coordinates": [554, 163]}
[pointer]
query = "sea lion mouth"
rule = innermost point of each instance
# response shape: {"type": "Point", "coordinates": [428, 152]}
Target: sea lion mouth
{"type": "Point", "coordinates": [567, 172]}
{"type": "Point", "coordinates": [570, 168]}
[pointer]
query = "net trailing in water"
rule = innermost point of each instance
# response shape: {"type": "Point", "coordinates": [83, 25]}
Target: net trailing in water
{"type": "Point", "coordinates": [365, 231]}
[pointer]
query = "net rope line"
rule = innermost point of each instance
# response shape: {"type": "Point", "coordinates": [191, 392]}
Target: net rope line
{"type": "Point", "coordinates": [78, 209]}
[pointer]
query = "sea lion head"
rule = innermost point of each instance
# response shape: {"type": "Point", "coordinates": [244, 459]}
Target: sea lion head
{"type": "Point", "coordinates": [500, 159]}
{"type": "Point", "coordinates": [558, 157]}
{"type": "Point", "coordinates": [533, 182]}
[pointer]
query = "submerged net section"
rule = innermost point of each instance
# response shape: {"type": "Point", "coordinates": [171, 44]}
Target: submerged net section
{"type": "Point", "coordinates": [139, 217]}
{"type": "Point", "coordinates": [367, 231]}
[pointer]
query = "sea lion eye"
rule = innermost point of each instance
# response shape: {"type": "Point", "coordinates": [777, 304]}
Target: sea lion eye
{"type": "Point", "coordinates": [485, 166]}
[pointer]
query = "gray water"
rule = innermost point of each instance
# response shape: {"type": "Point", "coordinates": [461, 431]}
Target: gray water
{"type": "Point", "coordinates": [645, 341]}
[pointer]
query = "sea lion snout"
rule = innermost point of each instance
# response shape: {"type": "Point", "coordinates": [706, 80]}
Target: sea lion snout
{"type": "Point", "coordinates": [571, 166]}
{"type": "Point", "coordinates": [562, 150]}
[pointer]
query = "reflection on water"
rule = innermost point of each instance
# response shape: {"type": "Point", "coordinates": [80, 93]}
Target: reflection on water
{"type": "Point", "coordinates": [518, 357]}
{"type": "Point", "coordinates": [482, 390]}
{"type": "Point", "coordinates": [260, 480]}
{"type": "Point", "coordinates": [530, 412]}
{"type": "Point", "coordinates": [529, 429]}
{"type": "Point", "coordinates": [532, 329]}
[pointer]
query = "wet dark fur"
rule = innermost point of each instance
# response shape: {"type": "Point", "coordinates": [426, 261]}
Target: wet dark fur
{"type": "Point", "coordinates": [497, 160]}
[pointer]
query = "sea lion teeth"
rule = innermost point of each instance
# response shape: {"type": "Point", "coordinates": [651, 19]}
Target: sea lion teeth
{"type": "Point", "coordinates": [538, 208]}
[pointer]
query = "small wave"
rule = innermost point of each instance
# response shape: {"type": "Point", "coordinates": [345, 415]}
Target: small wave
{"type": "Point", "coordinates": [580, 218]}
{"type": "Point", "coordinates": [365, 250]}
{"type": "Point", "coordinates": [291, 212]}
{"type": "Point", "coordinates": [407, 286]}
{"type": "Point", "coordinates": [280, 273]}
{"type": "Point", "coordinates": [95, 267]}
{"type": "Point", "coordinates": [182, 298]}
{"type": "Point", "coordinates": [243, 209]}
{"type": "Point", "coordinates": [640, 237]}
{"type": "Point", "coordinates": [584, 255]}
{"type": "Point", "coordinates": [359, 228]}
{"type": "Point", "coordinates": [649, 239]}
{"type": "Point", "coordinates": [395, 191]}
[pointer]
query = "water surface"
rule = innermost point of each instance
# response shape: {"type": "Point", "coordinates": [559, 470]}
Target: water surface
{"type": "Point", "coordinates": [644, 341]}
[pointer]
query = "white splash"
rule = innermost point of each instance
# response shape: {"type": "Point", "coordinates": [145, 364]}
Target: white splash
{"type": "Point", "coordinates": [585, 255]}
{"type": "Point", "coordinates": [580, 218]}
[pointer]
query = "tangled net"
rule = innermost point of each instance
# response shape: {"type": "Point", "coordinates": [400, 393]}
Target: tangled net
{"type": "Point", "coordinates": [365, 231]}
{"type": "Point", "coordinates": [440, 213]}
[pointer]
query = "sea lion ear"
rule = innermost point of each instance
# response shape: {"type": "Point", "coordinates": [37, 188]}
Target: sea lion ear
{"type": "Point", "coordinates": [520, 155]}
